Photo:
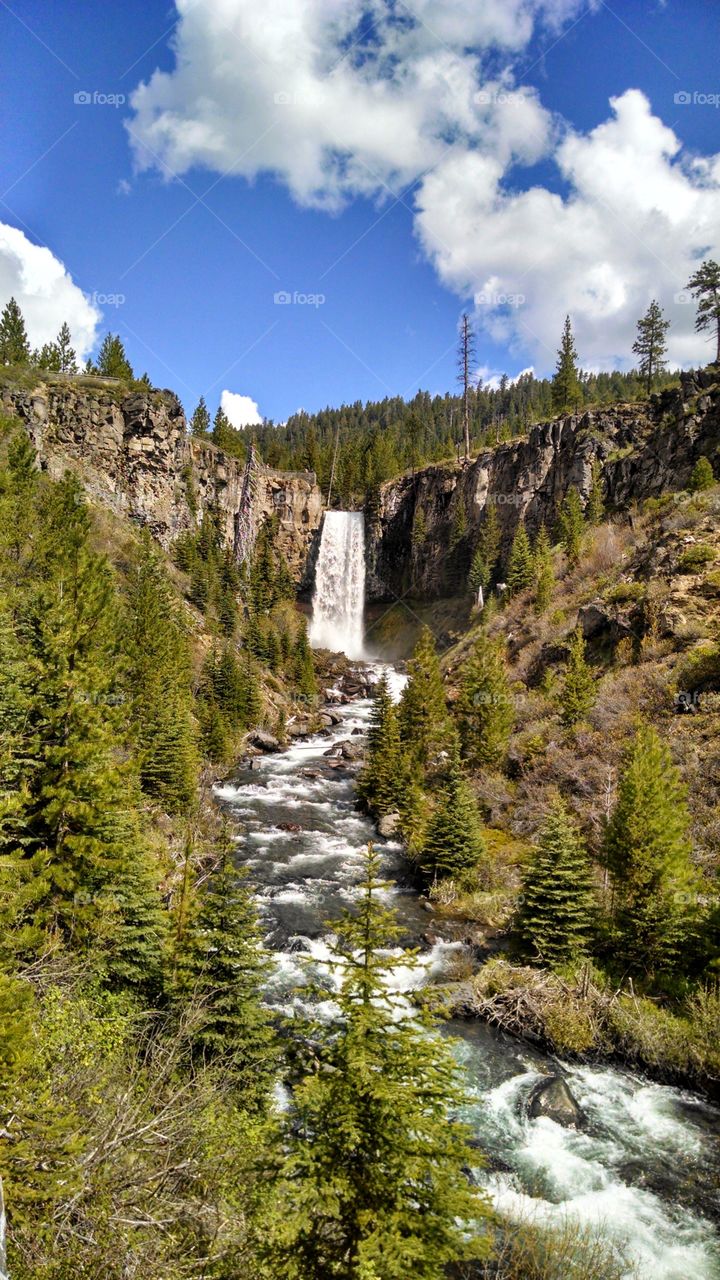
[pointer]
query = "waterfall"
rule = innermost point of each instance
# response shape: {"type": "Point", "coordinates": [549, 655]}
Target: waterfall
{"type": "Point", "coordinates": [339, 598]}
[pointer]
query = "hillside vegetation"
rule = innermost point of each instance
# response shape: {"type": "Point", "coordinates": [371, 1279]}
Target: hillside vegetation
{"type": "Point", "coordinates": [554, 768]}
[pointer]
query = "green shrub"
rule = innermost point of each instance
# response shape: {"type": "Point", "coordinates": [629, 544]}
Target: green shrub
{"type": "Point", "coordinates": [702, 666]}
{"type": "Point", "coordinates": [623, 592]}
{"type": "Point", "coordinates": [702, 476]}
{"type": "Point", "coordinates": [695, 558]}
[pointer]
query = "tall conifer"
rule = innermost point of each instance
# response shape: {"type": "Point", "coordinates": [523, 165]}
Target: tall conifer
{"type": "Point", "coordinates": [648, 852]}
{"type": "Point", "coordinates": [371, 1182]}
{"type": "Point", "coordinates": [555, 916]}
{"type": "Point", "coordinates": [485, 705]}
{"type": "Point", "coordinates": [425, 725]}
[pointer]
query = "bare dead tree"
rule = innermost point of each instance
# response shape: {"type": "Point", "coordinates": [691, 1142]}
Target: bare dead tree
{"type": "Point", "coordinates": [466, 356]}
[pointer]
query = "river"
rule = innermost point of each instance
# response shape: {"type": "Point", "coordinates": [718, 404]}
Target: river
{"type": "Point", "coordinates": [646, 1167]}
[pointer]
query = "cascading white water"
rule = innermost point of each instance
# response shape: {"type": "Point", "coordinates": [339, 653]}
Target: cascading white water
{"type": "Point", "coordinates": [339, 598]}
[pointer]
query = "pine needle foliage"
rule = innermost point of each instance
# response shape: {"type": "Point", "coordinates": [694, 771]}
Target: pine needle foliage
{"type": "Point", "coordinates": [372, 1183]}
{"type": "Point", "coordinates": [556, 914]}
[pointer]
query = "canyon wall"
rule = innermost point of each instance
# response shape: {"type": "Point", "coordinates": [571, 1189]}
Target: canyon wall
{"type": "Point", "coordinates": [423, 530]}
{"type": "Point", "coordinates": [133, 454]}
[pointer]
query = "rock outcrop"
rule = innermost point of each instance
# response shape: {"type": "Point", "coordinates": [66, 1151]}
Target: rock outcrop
{"type": "Point", "coordinates": [551, 1099]}
{"type": "Point", "coordinates": [421, 537]}
{"type": "Point", "coordinates": [133, 454]}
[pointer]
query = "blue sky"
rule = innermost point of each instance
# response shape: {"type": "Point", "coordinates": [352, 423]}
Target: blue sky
{"type": "Point", "coordinates": [385, 204]}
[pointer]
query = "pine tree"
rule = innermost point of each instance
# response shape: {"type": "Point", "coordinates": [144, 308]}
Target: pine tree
{"type": "Point", "coordinates": [227, 437]}
{"type": "Point", "coordinates": [702, 476]}
{"type": "Point", "coordinates": [484, 562]}
{"type": "Point", "coordinates": [459, 526]}
{"type": "Point", "coordinates": [578, 691]}
{"type": "Point", "coordinates": [650, 344]}
{"type": "Point", "coordinates": [47, 358]}
{"type": "Point", "coordinates": [159, 684]}
{"type": "Point", "coordinates": [648, 854]}
{"type": "Point", "coordinates": [67, 359]}
{"type": "Point", "coordinates": [304, 666]}
{"type": "Point", "coordinates": [17, 507]}
{"type": "Point", "coordinates": [83, 876]}
{"type": "Point", "coordinates": [425, 725]}
{"type": "Point", "coordinates": [372, 1180]}
{"type": "Point", "coordinates": [705, 286]}
{"type": "Point", "coordinates": [381, 782]}
{"type": "Point", "coordinates": [544, 571]}
{"type": "Point", "coordinates": [454, 842]}
{"type": "Point", "coordinates": [485, 705]}
{"type": "Point", "coordinates": [14, 345]}
{"type": "Point", "coordinates": [520, 571]}
{"type": "Point", "coordinates": [566, 389]}
{"type": "Point", "coordinates": [216, 741]}
{"type": "Point", "coordinates": [555, 916]}
{"type": "Point", "coordinates": [571, 526]}
{"type": "Point", "coordinates": [595, 511]}
{"type": "Point", "coordinates": [221, 970]}
{"type": "Point", "coordinates": [112, 361]}
{"type": "Point", "coordinates": [466, 356]}
{"type": "Point", "coordinates": [200, 421]}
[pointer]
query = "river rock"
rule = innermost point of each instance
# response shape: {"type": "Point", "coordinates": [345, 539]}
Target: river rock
{"type": "Point", "coordinates": [265, 741]}
{"type": "Point", "coordinates": [388, 824]}
{"type": "Point", "coordinates": [329, 718]}
{"type": "Point", "coordinates": [552, 1098]}
{"type": "Point", "coordinates": [288, 826]}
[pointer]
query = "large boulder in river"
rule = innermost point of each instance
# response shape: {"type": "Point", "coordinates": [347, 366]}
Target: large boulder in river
{"type": "Point", "coordinates": [388, 824]}
{"type": "Point", "coordinates": [264, 741]}
{"type": "Point", "coordinates": [552, 1098]}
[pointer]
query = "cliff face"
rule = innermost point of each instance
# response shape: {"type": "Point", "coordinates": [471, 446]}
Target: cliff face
{"type": "Point", "coordinates": [422, 536]}
{"type": "Point", "coordinates": [133, 454]}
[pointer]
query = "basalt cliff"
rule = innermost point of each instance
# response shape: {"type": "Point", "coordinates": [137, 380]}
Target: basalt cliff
{"type": "Point", "coordinates": [424, 525]}
{"type": "Point", "coordinates": [133, 454]}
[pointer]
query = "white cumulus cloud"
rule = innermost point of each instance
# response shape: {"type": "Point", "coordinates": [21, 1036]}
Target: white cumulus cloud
{"type": "Point", "coordinates": [45, 292]}
{"type": "Point", "coordinates": [242, 411]}
{"type": "Point", "coordinates": [368, 98]}
{"type": "Point", "coordinates": [638, 216]}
